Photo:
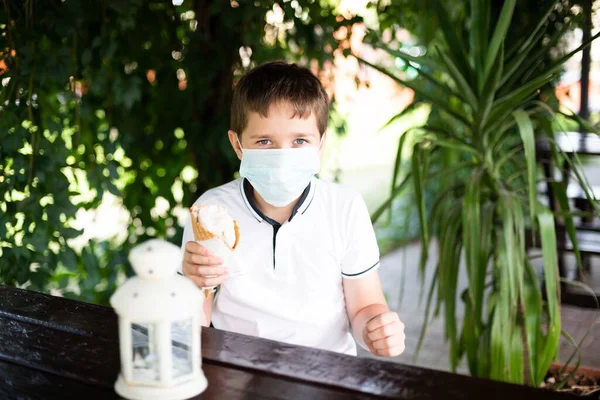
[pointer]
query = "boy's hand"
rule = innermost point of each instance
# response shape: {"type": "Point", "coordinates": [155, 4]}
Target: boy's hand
{"type": "Point", "coordinates": [384, 335]}
{"type": "Point", "coordinates": [202, 267]}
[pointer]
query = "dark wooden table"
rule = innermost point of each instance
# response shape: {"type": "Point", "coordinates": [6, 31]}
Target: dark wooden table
{"type": "Point", "coordinates": [52, 347]}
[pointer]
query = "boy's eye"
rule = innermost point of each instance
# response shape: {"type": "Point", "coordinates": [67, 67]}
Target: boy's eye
{"type": "Point", "coordinates": [264, 142]}
{"type": "Point", "coordinates": [300, 141]}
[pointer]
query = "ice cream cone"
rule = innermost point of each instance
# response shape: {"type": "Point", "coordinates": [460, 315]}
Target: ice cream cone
{"type": "Point", "coordinates": [202, 233]}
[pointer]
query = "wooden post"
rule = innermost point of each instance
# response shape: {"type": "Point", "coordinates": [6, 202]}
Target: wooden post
{"type": "Point", "coordinates": [586, 60]}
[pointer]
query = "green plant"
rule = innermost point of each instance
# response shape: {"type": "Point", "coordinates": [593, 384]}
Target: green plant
{"type": "Point", "coordinates": [489, 90]}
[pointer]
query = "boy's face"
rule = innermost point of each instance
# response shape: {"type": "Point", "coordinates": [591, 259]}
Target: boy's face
{"type": "Point", "coordinates": [279, 130]}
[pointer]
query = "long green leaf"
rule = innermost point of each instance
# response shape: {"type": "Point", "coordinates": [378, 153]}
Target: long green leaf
{"type": "Point", "coordinates": [446, 134]}
{"type": "Point", "coordinates": [529, 63]}
{"type": "Point", "coordinates": [423, 93]}
{"type": "Point", "coordinates": [471, 225]}
{"type": "Point", "coordinates": [396, 192]}
{"type": "Point", "coordinates": [397, 166]}
{"type": "Point", "coordinates": [470, 340]}
{"type": "Point", "coordinates": [558, 63]}
{"type": "Point", "coordinates": [516, 357]}
{"type": "Point", "coordinates": [484, 364]}
{"type": "Point", "coordinates": [527, 68]}
{"type": "Point", "coordinates": [449, 144]}
{"type": "Point", "coordinates": [512, 251]}
{"type": "Point", "coordinates": [489, 92]}
{"type": "Point", "coordinates": [515, 98]}
{"type": "Point", "coordinates": [455, 44]}
{"type": "Point", "coordinates": [502, 321]}
{"type": "Point", "coordinates": [406, 228]}
{"type": "Point", "coordinates": [496, 345]}
{"type": "Point", "coordinates": [560, 191]}
{"type": "Point", "coordinates": [419, 171]}
{"type": "Point", "coordinates": [425, 61]}
{"type": "Point", "coordinates": [563, 381]}
{"type": "Point", "coordinates": [523, 49]}
{"type": "Point", "coordinates": [526, 132]}
{"type": "Point", "coordinates": [478, 36]}
{"type": "Point", "coordinates": [524, 46]}
{"type": "Point", "coordinates": [507, 156]}
{"type": "Point", "coordinates": [532, 299]}
{"type": "Point", "coordinates": [460, 81]}
{"type": "Point", "coordinates": [520, 271]}
{"type": "Point", "coordinates": [576, 167]}
{"type": "Point", "coordinates": [486, 234]}
{"type": "Point", "coordinates": [586, 125]}
{"type": "Point", "coordinates": [513, 66]}
{"type": "Point", "coordinates": [592, 323]}
{"type": "Point", "coordinates": [549, 345]}
{"type": "Point", "coordinates": [449, 261]}
{"type": "Point", "coordinates": [499, 35]}
{"type": "Point", "coordinates": [425, 75]}
{"type": "Point", "coordinates": [430, 294]}
{"type": "Point", "coordinates": [407, 110]}
{"type": "Point", "coordinates": [450, 172]}
{"type": "Point", "coordinates": [497, 133]}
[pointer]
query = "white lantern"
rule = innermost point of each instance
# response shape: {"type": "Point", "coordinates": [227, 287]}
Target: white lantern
{"type": "Point", "coordinates": [159, 327]}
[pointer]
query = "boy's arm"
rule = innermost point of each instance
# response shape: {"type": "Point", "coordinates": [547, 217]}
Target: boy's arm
{"type": "Point", "coordinates": [375, 327]}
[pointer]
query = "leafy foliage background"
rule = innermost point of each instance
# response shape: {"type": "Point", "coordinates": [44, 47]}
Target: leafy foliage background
{"type": "Point", "coordinates": [129, 98]}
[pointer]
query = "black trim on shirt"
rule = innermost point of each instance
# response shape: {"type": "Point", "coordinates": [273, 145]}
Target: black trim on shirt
{"type": "Point", "coordinates": [308, 206]}
{"type": "Point", "coordinates": [300, 202]}
{"type": "Point", "coordinates": [363, 272]}
{"type": "Point", "coordinates": [248, 192]}
{"type": "Point", "coordinates": [275, 230]}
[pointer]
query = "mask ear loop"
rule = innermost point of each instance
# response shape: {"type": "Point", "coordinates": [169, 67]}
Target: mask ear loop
{"type": "Point", "coordinates": [237, 137]}
{"type": "Point", "coordinates": [321, 142]}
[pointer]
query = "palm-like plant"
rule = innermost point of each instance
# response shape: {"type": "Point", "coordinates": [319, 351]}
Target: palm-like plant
{"type": "Point", "coordinates": [491, 97]}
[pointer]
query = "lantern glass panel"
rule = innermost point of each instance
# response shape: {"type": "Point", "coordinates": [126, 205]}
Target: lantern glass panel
{"type": "Point", "coordinates": [146, 362]}
{"type": "Point", "coordinates": [181, 333]}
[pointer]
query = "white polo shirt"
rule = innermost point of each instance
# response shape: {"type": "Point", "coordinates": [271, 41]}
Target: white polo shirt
{"type": "Point", "coordinates": [291, 289]}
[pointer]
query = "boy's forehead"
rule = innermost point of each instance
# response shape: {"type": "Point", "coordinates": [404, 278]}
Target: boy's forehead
{"type": "Point", "coordinates": [284, 107]}
{"type": "Point", "coordinates": [283, 116]}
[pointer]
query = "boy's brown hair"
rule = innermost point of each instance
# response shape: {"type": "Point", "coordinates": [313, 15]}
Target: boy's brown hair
{"type": "Point", "coordinates": [278, 81]}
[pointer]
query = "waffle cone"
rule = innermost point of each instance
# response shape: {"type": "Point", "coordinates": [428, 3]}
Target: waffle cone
{"type": "Point", "coordinates": [237, 234]}
{"type": "Point", "coordinates": [200, 232]}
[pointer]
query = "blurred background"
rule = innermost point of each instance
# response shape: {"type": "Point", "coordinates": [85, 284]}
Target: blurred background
{"type": "Point", "coordinates": [113, 120]}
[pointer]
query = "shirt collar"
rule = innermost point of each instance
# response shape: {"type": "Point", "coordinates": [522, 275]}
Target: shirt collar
{"type": "Point", "coordinates": [305, 201]}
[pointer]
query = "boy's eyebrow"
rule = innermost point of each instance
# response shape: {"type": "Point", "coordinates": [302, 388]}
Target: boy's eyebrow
{"type": "Point", "coordinates": [260, 135]}
{"type": "Point", "coordinates": [269, 135]}
{"type": "Point", "coordinates": [304, 134]}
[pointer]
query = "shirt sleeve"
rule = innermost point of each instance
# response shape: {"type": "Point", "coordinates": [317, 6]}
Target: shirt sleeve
{"type": "Point", "coordinates": [362, 252]}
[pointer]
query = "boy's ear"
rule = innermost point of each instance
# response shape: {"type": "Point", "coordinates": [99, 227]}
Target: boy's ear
{"type": "Point", "coordinates": [323, 142]}
{"type": "Point", "coordinates": [234, 143]}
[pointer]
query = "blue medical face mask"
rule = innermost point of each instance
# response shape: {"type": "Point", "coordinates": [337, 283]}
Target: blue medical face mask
{"type": "Point", "coordinates": [280, 175]}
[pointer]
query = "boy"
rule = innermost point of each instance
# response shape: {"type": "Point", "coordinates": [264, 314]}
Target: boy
{"type": "Point", "coordinates": [307, 246]}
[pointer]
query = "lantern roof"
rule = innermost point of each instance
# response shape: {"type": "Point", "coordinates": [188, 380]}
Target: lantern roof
{"type": "Point", "coordinates": [158, 292]}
